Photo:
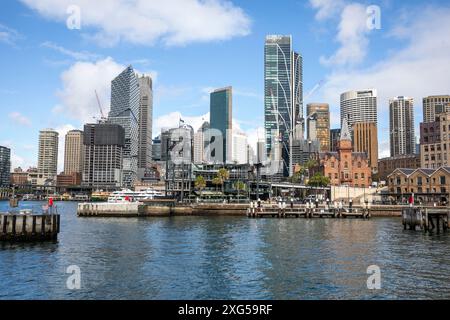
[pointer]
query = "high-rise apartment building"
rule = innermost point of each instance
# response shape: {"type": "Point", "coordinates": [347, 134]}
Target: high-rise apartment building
{"type": "Point", "coordinates": [145, 121]}
{"type": "Point", "coordinates": [5, 167]}
{"type": "Point", "coordinates": [221, 118]}
{"type": "Point", "coordinates": [125, 99]}
{"type": "Point", "coordinates": [103, 155]}
{"type": "Point", "coordinates": [435, 105]}
{"type": "Point", "coordinates": [365, 140]}
{"type": "Point", "coordinates": [74, 152]}
{"type": "Point", "coordinates": [318, 124]}
{"type": "Point", "coordinates": [283, 97]}
{"type": "Point", "coordinates": [48, 154]}
{"type": "Point", "coordinates": [401, 126]}
{"type": "Point", "coordinates": [359, 106]}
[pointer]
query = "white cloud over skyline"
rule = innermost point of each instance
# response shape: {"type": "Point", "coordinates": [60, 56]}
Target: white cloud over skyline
{"type": "Point", "coordinates": [143, 22]}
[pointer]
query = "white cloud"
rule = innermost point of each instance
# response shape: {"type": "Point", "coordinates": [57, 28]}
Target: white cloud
{"type": "Point", "coordinates": [352, 37]}
{"type": "Point", "coordinates": [20, 119]}
{"type": "Point", "coordinates": [419, 68]}
{"type": "Point", "coordinates": [77, 55]}
{"type": "Point", "coordinates": [326, 8]}
{"type": "Point", "coordinates": [172, 120]}
{"type": "Point", "coordinates": [173, 22]}
{"type": "Point", "coordinates": [79, 83]}
{"type": "Point", "coordinates": [8, 35]}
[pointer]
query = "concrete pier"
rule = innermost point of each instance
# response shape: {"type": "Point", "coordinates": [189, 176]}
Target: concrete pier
{"type": "Point", "coordinates": [29, 227]}
{"type": "Point", "coordinates": [128, 209]}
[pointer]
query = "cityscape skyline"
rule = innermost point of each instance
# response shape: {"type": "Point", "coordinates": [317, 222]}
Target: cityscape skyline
{"type": "Point", "coordinates": [58, 112]}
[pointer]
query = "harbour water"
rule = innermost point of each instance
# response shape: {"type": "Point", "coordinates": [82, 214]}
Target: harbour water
{"type": "Point", "coordinates": [226, 258]}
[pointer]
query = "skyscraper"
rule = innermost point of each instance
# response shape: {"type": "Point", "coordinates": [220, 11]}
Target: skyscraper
{"type": "Point", "coordinates": [283, 96]}
{"type": "Point", "coordinates": [73, 152]}
{"type": "Point", "coordinates": [221, 117]}
{"type": "Point", "coordinates": [240, 148]}
{"type": "Point", "coordinates": [5, 167]}
{"type": "Point", "coordinates": [103, 155]}
{"type": "Point", "coordinates": [365, 140]}
{"type": "Point", "coordinates": [125, 98]}
{"type": "Point", "coordinates": [401, 126]}
{"type": "Point", "coordinates": [199, 144]}
{"type": "Point", "coordinates": [145, 121]}
{"type": "Point", "coordinates": [334, 139]}
{"type": "Point", "coordinates": [48, 154]}
{"type": "Point", "coordinates": [318, 121]}
{"type": "Point", "coordinates": [359, 106]}
{"type": "Point", "coordinates": [435, 105]}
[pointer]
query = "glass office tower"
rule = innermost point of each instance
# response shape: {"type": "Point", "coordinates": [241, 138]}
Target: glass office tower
{"type": "Point", "coordinates": [221, 117]}
{"type": "Point", "coordinates": [283, 97]}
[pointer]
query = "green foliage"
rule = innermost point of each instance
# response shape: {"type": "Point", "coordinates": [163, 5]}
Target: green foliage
{"type": "Point", "coordinates": [319, 180]}
{"type": "Point", "coordinates": [200, 183]}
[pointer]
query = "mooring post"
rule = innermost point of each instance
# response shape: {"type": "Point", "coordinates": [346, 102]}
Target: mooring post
{"type": "Point", "coordinates": [5, 224]}
{"type": "Point", "coordinates": [24, 225]}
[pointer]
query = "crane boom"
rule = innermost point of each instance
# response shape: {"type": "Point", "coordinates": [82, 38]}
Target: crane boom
{"type": "Point", "coordinates": [100, 106]}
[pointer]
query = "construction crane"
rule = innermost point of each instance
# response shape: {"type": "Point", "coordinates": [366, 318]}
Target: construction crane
{"type": "Point", "coordinates": [103, 118]}
{"type": "Point", "coordinates": [314, 89]}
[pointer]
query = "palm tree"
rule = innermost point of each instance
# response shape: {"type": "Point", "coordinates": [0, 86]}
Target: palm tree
{"type": "Point", "coordinates": [200, 184]}
{"type": "Point", "coordinates": [216, 181]}
{"type": "Point", "coordinates": [223, 175]}
{"type": "Point", "coordinates": [240, 186]}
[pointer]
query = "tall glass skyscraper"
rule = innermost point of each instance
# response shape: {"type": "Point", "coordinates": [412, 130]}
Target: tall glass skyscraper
{"type": "Point", "coordinates": [125, 99]}
{"type": "Point", "coordinates": [283, 96]}
{"type": "Point", "coordinates": [221, 117]}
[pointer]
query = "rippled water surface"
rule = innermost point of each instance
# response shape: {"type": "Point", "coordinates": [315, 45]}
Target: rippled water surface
{"type": "Point", "coordinates": [227, 258]}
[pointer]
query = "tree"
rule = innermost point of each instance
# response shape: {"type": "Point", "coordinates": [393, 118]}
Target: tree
{"type": "Point", "coordinates": [319, 180]}
{"type": "Point", "coordinates": [200, 184]}
{"type": "Point", "coordinates": [216, 181]}
{"type": "Point", "coordinates": [240, 186]}
{"type": "Point", "coordinates": [223, 175]}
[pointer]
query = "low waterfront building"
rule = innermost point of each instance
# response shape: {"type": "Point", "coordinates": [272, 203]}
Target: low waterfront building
{"type": "Point", "coordinates": [427, 185]}
{"type": "Point", "coordinates": [67, 180]}
{"type": "Point", "coordinates": [387, 165]}
{"type": "Point", "coordinates": [345, 167]}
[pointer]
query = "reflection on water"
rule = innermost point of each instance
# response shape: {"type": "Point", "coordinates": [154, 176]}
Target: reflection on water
{"type": "Point", "coordinates": [227, 258]}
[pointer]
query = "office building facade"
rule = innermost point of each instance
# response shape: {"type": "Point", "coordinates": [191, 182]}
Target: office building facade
{"type": "Point", "coordinates": [435, 142]}
{"type": "Point", "coordinates": [200, 142]}
{"type": "Point", "coordinates": [145, 121]}
{"type": "Point", "coordinates": [125, 100]}
{"type": "Point", "coordinates": [365, 140]}
{"type": "Point", "coordinates": [283, 97]}
{"type": "Point", "coordinates": [74, 152]}
{"type": "Point", "coordinates": [401, 126]}
{"type": "Point", "coordinates": [221, 118]}
{"type": "Point", "coordinates": [334, 139]}
{"type": "Point", "coordinates": [318, 124]}
{"type": "Point", "coordinates": [104, 146]}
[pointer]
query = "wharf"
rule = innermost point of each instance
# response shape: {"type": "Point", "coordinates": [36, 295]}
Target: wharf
{"type": "Point", "coordinates": [28, 227]}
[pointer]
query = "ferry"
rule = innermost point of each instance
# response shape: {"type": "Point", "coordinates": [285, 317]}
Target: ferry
{"type": "Point", "coordinates": [127, 195]}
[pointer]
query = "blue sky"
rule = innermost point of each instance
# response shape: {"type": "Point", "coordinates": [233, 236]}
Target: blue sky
{"type": "Point", "coordinates": [50, 72]}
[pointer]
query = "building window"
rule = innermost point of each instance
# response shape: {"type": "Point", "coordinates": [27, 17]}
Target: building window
{"type": "Point", "coordinates": [443, 180]}
{"type": "Point", "coordinates": [356, 176]}
{"type": "Point", "coordinates": [346, 165]}
{"type": "Point", "coordinates": [359, 165]}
